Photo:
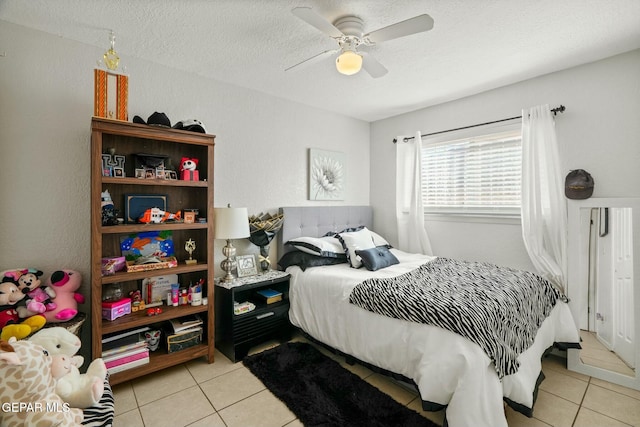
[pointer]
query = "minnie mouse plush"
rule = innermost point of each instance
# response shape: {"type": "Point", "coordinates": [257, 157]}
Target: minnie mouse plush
{"type": "Point", "coordinates": [39, 297]}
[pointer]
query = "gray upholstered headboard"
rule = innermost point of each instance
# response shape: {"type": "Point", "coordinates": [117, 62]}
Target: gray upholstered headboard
{"type": "Point", "coordinates": [316, 221]}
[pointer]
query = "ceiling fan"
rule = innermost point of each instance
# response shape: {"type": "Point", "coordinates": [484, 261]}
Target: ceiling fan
{"type": "Point", "coordinates": [348, 33]}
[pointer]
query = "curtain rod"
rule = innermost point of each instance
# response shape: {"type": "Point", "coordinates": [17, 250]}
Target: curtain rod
{"type": "Point", "coordinates": [555, 111]}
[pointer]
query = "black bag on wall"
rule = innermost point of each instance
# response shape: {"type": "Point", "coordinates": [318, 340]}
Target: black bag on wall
{"type": "Point", "coordinates": [578, 184]}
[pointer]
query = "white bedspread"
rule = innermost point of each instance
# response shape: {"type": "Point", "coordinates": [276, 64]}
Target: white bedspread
{"type": "Point", "coordinates": [447, 368]}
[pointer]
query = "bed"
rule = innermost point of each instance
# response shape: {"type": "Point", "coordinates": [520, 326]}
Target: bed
{"type": "Point", "coordinates": [448, 370]}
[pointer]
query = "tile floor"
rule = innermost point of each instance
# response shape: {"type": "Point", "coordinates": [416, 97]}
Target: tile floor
{"type": "Point", "coordinates": [594, 353]}
{"type": "Point", "coordinates": [226, 394]}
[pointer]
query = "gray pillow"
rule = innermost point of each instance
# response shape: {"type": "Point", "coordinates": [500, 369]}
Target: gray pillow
{"type": "Point", "coordinates": [377, 258]}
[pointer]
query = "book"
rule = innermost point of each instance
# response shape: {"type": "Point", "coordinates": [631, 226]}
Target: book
{"type": "Point", "coordinates": [127, 359]}
{"type": "Point", "coordinates": [122, 339]}
{"type": "Point", "coordinates": [155, 289]}
{"type": "Point", "coordinates": [115, 336]}
{"type": "Point", "coordinates": [243, 307]}
{"type": "Point", "coordinates": [183, 323]}
{"type": "Point", "coordinates": [124, 348]}
{"type": "Point", "coordinates": [129, 352]}
{"type": "Point", "coordinates": [128, 365]}
{"type": "Point", "coordinates": [270, 295]}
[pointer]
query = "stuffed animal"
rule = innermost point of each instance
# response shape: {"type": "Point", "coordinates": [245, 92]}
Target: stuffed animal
{"type": "Point", "coordinates": [28, 387]}
{"type": "Point", "coordinates": [65, 283]}
{"type": "Point", "coordinates": [188, 169]}
{"type": "Point", "coordinates": [10, 323]}
{"type": "Point", "coordinates": [39, 297]}
{"type": "Point", "coordinates": [78, 390]}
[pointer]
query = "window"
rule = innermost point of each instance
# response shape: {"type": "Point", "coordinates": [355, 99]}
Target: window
{"type": "Point", "coordinates": [473, 175]}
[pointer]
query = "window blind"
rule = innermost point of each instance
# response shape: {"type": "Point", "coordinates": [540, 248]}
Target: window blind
{"type": "Point", "coordinates": [474, 176]}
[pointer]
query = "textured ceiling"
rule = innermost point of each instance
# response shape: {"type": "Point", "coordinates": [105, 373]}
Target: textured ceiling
{"type": "Point", "coordinates": [475, 45]}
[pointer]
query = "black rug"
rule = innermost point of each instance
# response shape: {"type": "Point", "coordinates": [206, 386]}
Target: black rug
{"type": "Point", "coordinates": [322, 393]}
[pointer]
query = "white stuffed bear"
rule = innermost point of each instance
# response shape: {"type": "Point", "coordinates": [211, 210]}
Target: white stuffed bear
{"type": "Point", "coordinates": [78, 390]}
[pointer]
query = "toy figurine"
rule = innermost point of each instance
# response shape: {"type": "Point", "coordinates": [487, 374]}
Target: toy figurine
{"type": "Point", "coordinates": [153, 339]}
{"type": "Point", "coordinates": [136, 300]}
{"type": "Point", "coordinates": [109, 212]}
{"type": "Point", "coordinates": [188, 170]}
{"type": "Point", "coordinates": [157, 216]}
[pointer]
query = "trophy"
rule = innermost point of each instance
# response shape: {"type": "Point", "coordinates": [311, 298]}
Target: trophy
{"type": "Point", "coordinates": [190, 246]}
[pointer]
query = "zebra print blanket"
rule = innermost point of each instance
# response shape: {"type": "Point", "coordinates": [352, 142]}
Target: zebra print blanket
{"type": "Point", "coordinates": [498, 308]}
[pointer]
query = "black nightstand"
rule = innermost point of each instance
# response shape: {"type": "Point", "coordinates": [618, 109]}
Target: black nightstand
{"type": "Point", "coordinates": [237, 333]}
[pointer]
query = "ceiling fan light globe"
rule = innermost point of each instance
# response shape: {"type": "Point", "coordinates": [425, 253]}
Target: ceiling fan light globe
{"type": "Point", "coordinates": [349, 63]}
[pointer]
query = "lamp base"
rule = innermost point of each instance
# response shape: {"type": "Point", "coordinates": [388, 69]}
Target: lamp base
{"type": "Point", "coordinates": [228, 264]}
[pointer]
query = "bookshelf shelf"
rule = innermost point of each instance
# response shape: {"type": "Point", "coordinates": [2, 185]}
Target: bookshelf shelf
{"type": "Point", "coordinates": [159, 360]}
{"type": "Point", "coordinates": [138, 319]}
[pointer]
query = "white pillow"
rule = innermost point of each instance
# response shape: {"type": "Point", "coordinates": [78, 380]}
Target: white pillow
{"type": "Point", "coordinates": [356, 241]}
{"type": "Point", "coordinates": [379, 240]}
{"type": "Point", "coordinates": [328, 247]}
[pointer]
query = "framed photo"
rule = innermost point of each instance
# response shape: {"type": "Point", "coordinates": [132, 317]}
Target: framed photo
{"type": "Point", "coordinates": [246, 265]}
{"type": "Point", "coordinates": [107, 171]}
{"type": "Point", "coordinates": [160, 173]}
{"type": "Point", "coordinates": [118, 172]}
{"type": "Point", "coordinates": [149, 173]}
{"type": "Point", "coordinates": [172, 175]}
{"type": "Point", "coordinates": [139, 173]}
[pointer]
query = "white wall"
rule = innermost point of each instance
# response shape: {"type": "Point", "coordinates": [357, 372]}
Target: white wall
{"type": "Point", "coordinates": [599, 132]}
{"type": "Point", "coordinates": [46, 104]}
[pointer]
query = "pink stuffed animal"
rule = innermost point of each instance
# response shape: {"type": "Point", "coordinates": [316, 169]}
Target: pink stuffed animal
{"type": "Point", "coordinates": [65, 283]}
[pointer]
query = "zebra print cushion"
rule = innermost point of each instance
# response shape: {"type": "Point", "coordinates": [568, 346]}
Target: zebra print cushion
{"type": "Point", "coordinates": [498, 308]}
{"type": "Point", "coordinates": [101, 415]}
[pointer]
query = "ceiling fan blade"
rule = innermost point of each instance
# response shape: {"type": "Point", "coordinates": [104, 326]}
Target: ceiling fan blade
{"type": "Point", "coordinates": [372, 66]}
{"type": "Point", "coordinates": [410, 26]}
{"type": "Point", "coordinates": [310, 17]}
{"type": "Point", "coordinates": [312, 60]}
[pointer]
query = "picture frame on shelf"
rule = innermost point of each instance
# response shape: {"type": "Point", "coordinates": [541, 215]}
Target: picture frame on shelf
{"type": "Point", "coordinates": [135, 205]}
{"type": "Point", "coordinates": [118, 172]}
{"type": "Point", "coordinates": [171, 175]}
{"type": "Point", "coordinates": [246, 265]}
{"type": "Point", "coordinates": [140, 173]}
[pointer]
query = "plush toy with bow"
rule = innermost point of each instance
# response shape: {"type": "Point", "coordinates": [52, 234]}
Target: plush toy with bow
{"type": "Point", "coordinates": [78, 390]}
{"type": "Point", "coordinates": [38, 297]}
{"type": "Point", "coordinates": [10, 322]}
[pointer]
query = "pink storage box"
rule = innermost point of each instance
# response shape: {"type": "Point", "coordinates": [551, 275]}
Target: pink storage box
{"type": "Point", "coordinates": [111, 310]}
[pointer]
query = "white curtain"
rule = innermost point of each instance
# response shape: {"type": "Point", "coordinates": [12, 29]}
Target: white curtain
{"type": "Point", "coordinates": [412, 236]}
{"type": "Point", "coordinates": [544, 209]}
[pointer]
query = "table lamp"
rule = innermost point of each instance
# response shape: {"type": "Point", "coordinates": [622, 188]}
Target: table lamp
{"type": "Point", "coordinates": [230, 223]}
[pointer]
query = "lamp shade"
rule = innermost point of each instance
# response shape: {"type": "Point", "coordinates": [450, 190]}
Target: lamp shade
{"type": "Point", "coordinates": [231, 223]}
{"type": "Point", "coordinates": [349, 62]}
